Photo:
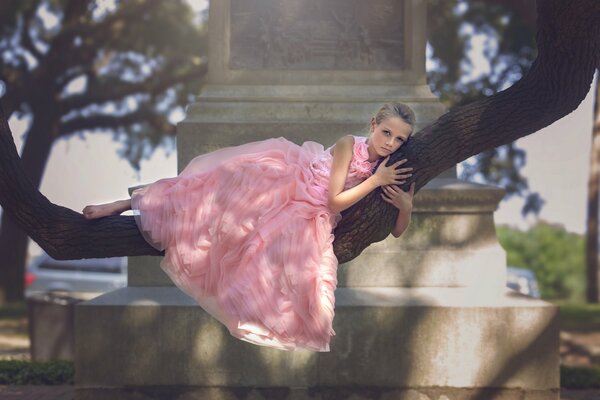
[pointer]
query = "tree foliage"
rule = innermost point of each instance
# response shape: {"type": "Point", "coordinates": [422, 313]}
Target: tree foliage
{"type": "Point", "coordinates": [555, 256]}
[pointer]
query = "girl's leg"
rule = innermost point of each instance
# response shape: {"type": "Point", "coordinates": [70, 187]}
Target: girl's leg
{"type": "Point", "coordinates": [102, 210]}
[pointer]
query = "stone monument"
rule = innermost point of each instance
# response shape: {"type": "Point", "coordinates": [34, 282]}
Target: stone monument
{"type": "Point", "coordinates": [426, 316]}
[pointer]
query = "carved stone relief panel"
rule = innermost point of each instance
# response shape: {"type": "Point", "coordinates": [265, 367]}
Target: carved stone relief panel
{"type": "Point", "coordinates": [317, 34]}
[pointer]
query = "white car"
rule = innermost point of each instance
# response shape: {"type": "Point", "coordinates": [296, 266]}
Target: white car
{"type": "Point", "coordinates": [83, 279]}
{"type": "Point", "coordinates": [523, 281]}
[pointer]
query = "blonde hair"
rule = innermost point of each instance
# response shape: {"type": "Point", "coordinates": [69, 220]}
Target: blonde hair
{"type": "Point", "coordinates": [399, 110]}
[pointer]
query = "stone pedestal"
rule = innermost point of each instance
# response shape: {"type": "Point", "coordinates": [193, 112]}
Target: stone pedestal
{"type": "Point", "coordinates": [392, 343]}
{"type": "Point", "coordinates": [426, 316]}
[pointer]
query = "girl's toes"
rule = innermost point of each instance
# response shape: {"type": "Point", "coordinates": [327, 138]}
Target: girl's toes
{"type": "Point", "coordinates": [88, 209]}
{"type": "Point", "coordinates": [89, 212]}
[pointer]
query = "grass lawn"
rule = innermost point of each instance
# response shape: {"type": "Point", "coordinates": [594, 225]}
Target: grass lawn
{"type": "Point", "coordinates": [15, 310]}
{"type": "Point", "coordinates": [13, 320]}
{"type": "Point", "coordinates": [579, 317]}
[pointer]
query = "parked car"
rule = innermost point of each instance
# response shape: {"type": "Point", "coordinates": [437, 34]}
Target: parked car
{"type": "Point", "coordinates": [523, 281]}
{"type": "Point", "coordinates": [83, 279]}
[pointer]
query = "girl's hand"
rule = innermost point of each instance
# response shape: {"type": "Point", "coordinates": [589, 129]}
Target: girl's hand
{"type": "Point", "coordinates": [390, 175]}
{"type": "Point", "coordinates": [399, 198]}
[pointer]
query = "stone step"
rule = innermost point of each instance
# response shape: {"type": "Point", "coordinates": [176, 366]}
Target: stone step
{"type": "Point", "coordinates": [307, 110]}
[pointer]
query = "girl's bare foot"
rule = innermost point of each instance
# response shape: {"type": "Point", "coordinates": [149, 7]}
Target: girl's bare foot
{"type": "Point", "coordinates": [103, 210]}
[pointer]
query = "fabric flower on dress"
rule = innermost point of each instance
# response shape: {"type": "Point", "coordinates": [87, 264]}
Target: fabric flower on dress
{"type": "Point", "coordinates": [360, 162]}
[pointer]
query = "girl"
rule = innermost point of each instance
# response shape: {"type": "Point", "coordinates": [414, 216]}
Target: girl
{"type": "Point", "coordinates": [247, 230]}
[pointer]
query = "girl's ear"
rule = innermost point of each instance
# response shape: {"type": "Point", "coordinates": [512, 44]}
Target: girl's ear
{"type": "Point", "coordinates": [373, 124]}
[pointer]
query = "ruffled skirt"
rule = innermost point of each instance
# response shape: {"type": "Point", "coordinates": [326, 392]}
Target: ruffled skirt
{"type": "Point", "coordinates": [247, 233]}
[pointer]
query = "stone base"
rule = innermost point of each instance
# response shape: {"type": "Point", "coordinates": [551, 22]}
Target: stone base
{"type": "Point", "coordinates": [397, 342]}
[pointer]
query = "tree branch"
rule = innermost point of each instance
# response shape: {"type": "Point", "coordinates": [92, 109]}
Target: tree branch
{"type": "Point", "coordinates": [154, 85]}
{"type": "Point", "coordinates": [569, 53]}
{"type": "Point", "coordinates": [61, 232]}
{"type": "Point", "coordinates": [144, 115]}
{"type": "Point", "coordinates": [558, 81]}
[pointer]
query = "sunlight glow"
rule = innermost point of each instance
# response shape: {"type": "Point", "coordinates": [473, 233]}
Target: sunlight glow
{"type": "Point", "coordinates": [430, 63]}
{"type": "Point", "coordinates": [104, 7]}
{"type": "Point", "coordinates": [131, 103]}
{"type": "Point", "coordinates": [49, 20]}
{"type": "Point", "coordinates": [198, 5]}
{"type": "Point", "coordinates": [77, 85]}
{"type": "Point", "coordinates": [477, 46]}
{"type": "Point", "coordinates": [177, 115]}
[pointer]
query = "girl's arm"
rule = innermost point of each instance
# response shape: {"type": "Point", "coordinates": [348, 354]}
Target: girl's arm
{"type": "Point", "coordinates": [402, 200]}
{"type": "Point", "coordinates": [402, 222]}
{"type": "Point", "coordinates": [340, 199]}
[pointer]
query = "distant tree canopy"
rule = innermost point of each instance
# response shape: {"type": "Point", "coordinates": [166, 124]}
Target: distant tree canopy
{"type": "Point", "coordinates": [83, 66]}
{"type": "Point", "coordinates": [553, 254]}
{"type": "Point", "coordinates": [87, 66]}
{"type": "Point", "coordinates": [507, 30]}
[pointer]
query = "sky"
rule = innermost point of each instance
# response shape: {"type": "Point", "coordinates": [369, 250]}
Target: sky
{"type": "Point", "coordinates": [81, 172]}
{"type": "Point", "coordinates": [557, 168]}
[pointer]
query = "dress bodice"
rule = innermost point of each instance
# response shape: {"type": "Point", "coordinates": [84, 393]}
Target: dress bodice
{"type": "Point", "coordinates": [360, 167]}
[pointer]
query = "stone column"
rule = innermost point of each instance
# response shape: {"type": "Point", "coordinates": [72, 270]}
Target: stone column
{"type": "Point", "coordinates": [426, 316]}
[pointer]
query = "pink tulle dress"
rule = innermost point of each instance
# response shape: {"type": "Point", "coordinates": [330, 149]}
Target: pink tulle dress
{"type": "Point", "coordinates": [248, 234]}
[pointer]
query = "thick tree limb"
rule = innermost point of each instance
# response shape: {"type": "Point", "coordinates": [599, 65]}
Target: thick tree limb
{"type": "Point", "coordinates": [58, 230]}
{"type": "Point", "coordinates": [569, 53]}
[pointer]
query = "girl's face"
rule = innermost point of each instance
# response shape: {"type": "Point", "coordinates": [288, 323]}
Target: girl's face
{"type": "Point", "coordinates": [387, 136]}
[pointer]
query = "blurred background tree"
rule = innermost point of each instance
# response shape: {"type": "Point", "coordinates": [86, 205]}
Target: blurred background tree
{"type": "Point", "coordinates": [507, 31]}
{"type": "Point", "coordinates": [556, 257]}
{"type": "Point", "coordinates": [82, 66]}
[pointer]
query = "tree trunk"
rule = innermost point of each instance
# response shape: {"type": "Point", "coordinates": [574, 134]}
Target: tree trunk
{"type": "Point", "coordinates": [568, 53]}
{"type": "Point", "coordinates": [591, 242]}
{"type": "Point", "coordinates": [13, 240]}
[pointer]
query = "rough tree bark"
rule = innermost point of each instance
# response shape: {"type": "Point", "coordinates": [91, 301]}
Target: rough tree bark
{"type": "Point", "coordinates": [591, 235]}
{"type": "Point", "coordinates": [568, 54]}
{"type": "Point", "coordinates": [13, 239]}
